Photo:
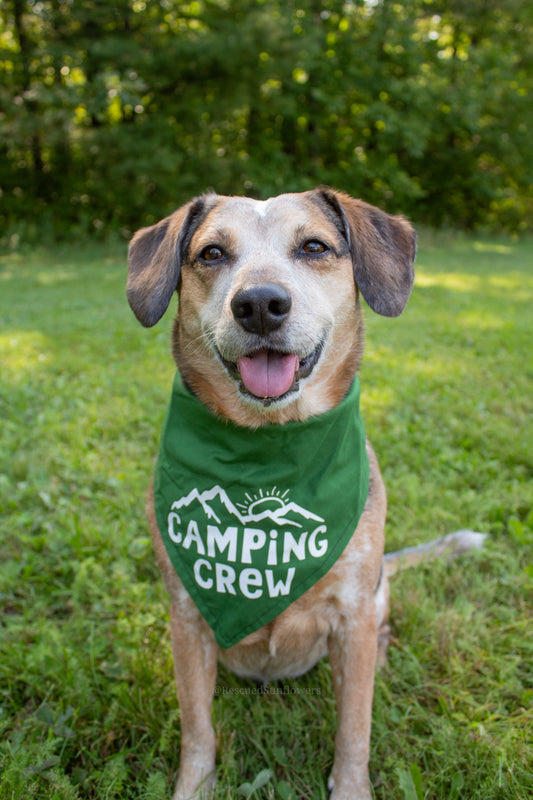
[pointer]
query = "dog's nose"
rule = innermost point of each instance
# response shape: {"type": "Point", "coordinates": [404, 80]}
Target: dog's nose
{"type": "Point", "coordinates": [261, 309]}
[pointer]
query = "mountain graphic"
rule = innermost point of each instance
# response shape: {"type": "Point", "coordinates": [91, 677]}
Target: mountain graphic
{"type": "Point", "coordinates": [216, 504]}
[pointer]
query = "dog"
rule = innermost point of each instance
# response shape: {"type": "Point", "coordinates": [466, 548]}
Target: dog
{"type": "Point", "coordinates": [268, 339]}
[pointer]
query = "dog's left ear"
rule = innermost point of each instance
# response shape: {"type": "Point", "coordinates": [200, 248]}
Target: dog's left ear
{"type": "Point", "coordinates": [383, 249]}
{"type": "Point", "coordinates": [154, 262]}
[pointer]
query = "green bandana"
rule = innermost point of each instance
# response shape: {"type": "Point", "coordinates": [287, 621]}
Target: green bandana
{"type": "Point", "coordinates": [251, 519]}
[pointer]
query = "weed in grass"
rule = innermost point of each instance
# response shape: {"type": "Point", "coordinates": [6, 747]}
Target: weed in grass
{"type": "Point", "coordinates": [87, 700]}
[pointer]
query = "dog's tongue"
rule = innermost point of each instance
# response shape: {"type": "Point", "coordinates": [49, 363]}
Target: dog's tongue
{"type": "Point", "coordinates": [267, 373]}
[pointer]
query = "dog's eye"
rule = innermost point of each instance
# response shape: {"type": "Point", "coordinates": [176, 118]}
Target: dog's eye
{"type": "Point", "coordinates": [212, 253]}
{"type": "Point", "coordinates": [314, 247]}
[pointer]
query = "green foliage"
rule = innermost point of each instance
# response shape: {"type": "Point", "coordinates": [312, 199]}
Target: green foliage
{"type": "Point", "coordinates": [410, 782]}
{"type": "Point", "coordinates": [249, 789]}
{"type": "Point", "coordinates": [114, 113]}
{"type": "Point", "coordinates": [87, 699]}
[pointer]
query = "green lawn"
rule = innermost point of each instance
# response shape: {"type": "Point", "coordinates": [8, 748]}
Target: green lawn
{"type": "Point", "coordinates": [87, 699]}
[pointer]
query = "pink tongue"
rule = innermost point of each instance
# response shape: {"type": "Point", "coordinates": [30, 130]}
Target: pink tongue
{"type": "Point", "coordinates": [267, 373]}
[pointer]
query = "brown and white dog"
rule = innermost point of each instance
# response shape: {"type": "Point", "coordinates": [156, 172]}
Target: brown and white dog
{"type": "Point", "coordinates": [270, 330]}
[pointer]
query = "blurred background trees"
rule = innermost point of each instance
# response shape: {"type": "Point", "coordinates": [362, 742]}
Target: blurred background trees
{"type": "Point", "coordinates": [113, 113]}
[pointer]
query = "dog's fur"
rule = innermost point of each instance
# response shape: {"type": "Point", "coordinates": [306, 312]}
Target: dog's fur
{"type": "Point", "coordinates": [212, 250]}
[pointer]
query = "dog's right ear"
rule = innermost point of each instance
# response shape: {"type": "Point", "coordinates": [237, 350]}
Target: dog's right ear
{"type": "Point", "coordinates": [383, 249]}
{"type": "Point", "coordinates": [154, 262]}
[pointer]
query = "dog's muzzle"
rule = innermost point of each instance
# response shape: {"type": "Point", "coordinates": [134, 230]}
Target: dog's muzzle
{"type": "Point", "coordinates": [267, 372]}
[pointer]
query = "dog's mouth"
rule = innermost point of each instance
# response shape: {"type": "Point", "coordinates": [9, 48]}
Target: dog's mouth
{"type": "Point", "coordinates": [271, 375]}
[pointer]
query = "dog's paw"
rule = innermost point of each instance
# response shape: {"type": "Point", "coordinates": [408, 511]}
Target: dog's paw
{"type": "Point", "coordinates": [346, 789]}
{"type": "Point", "coordinates": [195, 784]}
{"type": "Point", "coordinates": [349, 794]}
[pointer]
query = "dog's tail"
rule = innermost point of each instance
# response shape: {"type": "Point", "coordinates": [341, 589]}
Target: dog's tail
{"type": "Point", "coordinates": [449, 546]}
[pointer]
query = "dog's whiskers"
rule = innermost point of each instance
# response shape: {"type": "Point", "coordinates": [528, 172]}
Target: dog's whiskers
{"type": "Point", "coordinates": [205, 338]}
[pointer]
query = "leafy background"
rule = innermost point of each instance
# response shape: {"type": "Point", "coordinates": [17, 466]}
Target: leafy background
{"type": "Point", "coordinates": [112, 114]}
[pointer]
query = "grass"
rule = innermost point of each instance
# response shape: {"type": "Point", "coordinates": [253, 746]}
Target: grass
{"type": "Point", "coordinates": [87, 700]}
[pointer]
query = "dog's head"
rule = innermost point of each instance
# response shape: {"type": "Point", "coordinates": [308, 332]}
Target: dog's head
{"type": "Point", "coordinates": [269, 326]}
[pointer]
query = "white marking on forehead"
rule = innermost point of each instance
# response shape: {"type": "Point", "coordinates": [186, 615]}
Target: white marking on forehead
{"type": "Point", "coordinates": [261, 207]}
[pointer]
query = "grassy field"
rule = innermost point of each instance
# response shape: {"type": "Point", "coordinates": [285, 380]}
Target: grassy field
{"type": "Point", "coordinates": [87, 699]}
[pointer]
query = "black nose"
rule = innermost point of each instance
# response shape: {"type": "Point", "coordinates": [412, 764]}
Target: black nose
{"type": "Point", "coordinates": [261, 309]}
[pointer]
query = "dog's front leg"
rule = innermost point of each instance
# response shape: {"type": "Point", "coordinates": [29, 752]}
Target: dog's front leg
{"type": "Point", "coordinates": [352, 653]}
{"type": "Point", "coordinates": [195, 667]}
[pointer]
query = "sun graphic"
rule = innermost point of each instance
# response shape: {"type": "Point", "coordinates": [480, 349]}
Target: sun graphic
{"type": "Point", "coordinates": [264, 500]}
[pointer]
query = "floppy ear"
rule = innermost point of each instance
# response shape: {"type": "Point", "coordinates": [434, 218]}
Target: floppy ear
{"type": "Point", "coordinates": [383, 251]}
{"type": "Point", "coordinates": [154, 262]}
